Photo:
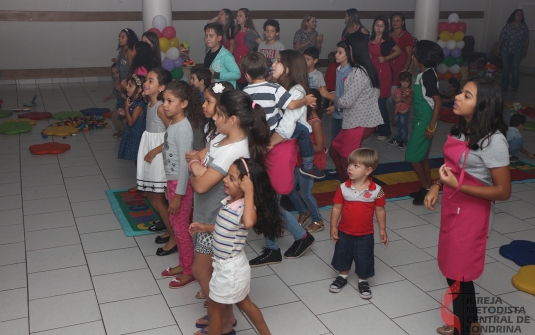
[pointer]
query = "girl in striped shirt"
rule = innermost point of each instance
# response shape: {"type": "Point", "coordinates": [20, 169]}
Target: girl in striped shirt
{"type": "Point", "coordinates": [250, 204]}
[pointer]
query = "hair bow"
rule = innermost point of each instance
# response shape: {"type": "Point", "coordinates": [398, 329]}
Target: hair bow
{"type": "Point", "coordinates": [141, 71]}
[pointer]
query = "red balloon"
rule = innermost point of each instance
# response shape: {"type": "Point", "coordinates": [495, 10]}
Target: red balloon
{"type": "Point", "coordinates": [453, 27]}
{"type": "Point", "coordinates": [442, 26]}
{"type": "Point", "coordinates": [156, 31]}
{"type": "Point", "coordinates": [446, 76]}
{"type": "Point", "coordinates": [462, 27]}
{"type": "Point", "coordinates": [169, 32]}
{"type": "Point", "coordinates": [458, 76]}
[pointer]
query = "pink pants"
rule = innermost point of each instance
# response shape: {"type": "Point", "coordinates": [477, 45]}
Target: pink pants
{"type": "Point", "coordinates": [180, 224]}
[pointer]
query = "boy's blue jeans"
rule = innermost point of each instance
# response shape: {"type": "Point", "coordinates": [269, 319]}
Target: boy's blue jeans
{"type": "Point", "coordinates": [302, 135]}
{"type": "Point", "coordinates": [402, 127]}
{"type": "Point", "coordinates": [291, 225]}
{"type": "Point", "coordinates": [515, 145]}
{"type": "Point", "coordinates": [305, 185]}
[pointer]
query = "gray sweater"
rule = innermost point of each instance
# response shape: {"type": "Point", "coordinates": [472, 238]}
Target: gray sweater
{"type": "Point", "coordinates": [177, 141]}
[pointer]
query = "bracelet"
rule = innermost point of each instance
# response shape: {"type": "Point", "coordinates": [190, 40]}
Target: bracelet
{"type": "Point", "coordinates": [195, 160]}
{"type": "Point", "coordinates": [439, 183]}
{"type": "Point", "coordinates": [431, 131]}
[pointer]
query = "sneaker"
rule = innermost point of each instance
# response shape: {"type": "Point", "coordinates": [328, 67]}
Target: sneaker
{"type": "Point", "coordinates": [445, 330]}
{"type": "Point", "coordinates": [513, 159]}
{"type": "Point", "coordinates": [402, 145]}
{"type": "Point", "coordinates": [299, 247]}
{"type": "Point", "coordinates": [393, 142]}
{"type": "Point", "coordinates": [268, 256]}
{"type": "Point", "coordinates": [415, 194]}
{"type": "Point", "coordinates": [333, 170]}
{"type": "Point", "coordinates": [419, 200]}
{"type": "Point", "coordinates": [381, 138]}
{"type": "Point", "coordinates": [364, 290]}
{"type": "Point", "coordinates": [337, 284]}
{"type": "Point", "coordinates": [314, 172]}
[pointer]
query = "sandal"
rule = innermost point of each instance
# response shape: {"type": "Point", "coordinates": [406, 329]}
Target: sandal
{"type": "Point", "coordinates": [167, 273]}
{"type": "Point", "coordinates": [205, 304]}
{"type": "Point", "coordinates": [303, 218]}
{"type": "Point", "coordinates": [177, 283]}
{"type": "Point", "coordinates": [133, 190]}
{"type": "Point", "coordinates": [200, 325]}
{"type": "Point", "coordinates": [200, 295]}
{"type": "Point", "coordinates": [315, 227]}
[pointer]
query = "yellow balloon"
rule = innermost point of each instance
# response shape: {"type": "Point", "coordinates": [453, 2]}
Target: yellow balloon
{"type": "Point", "coordinates": [445, 36]}
{"type": "Point", "coordinates": [174, 42]}
{"type": "Point", "coordinates": [458, 36]}
{"type": "Point", "coordinates": [164, 44]}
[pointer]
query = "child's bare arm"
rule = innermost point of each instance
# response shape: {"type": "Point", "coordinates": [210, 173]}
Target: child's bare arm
{"type": "Point", "coordinates": [380, 214]}
{"type": "Point", "coordinates": [433, 124]}
{"type": "Point", "coordinates": [335, 216]}
{"type": "Point", "coordinates": [275, 139]}
{"type": "Point", "coordinates": [525, 152]}
{"type": "Point", "coordinates": [308, 100]}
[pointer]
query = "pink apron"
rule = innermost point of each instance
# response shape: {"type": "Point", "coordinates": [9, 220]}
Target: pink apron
{"type": "Point", "coordinates": [383, 70]}
{"type": "Point", "coordinates": [464, 221]}
{"type": "Point", "coordinates": [240, 50]}
{"type": "Point", "coordinates": [280, 166]}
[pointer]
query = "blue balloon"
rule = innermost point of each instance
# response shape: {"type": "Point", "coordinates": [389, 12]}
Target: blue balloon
{"type": "Point", "coordinates": [456, 52]}
{"type": "Point", "coordinates": [168, 64]}
{"type": "Point", "coordinates": [446, 52]}
{"type": "Point", "coordinates": [179, 62]}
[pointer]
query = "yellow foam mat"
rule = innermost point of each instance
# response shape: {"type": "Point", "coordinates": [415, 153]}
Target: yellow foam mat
{"type": "Point", "coordinates": [60, 130]}
{"type": "Point", "coordinates": [524, 280]}
{"type": "Point", "coordinates": [32, 122]}
{"type": "Point", "coordinates": [403, 177]}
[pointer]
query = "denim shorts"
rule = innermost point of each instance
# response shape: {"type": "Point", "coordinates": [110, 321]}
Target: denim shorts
{"type": "Point", "coordinates": [351, 248]}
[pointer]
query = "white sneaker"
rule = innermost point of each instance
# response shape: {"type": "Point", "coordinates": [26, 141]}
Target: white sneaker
{"type": "Point", "coordinates": [381, 138]}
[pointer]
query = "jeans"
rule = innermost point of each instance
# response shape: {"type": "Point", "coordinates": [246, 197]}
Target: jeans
{"type": "Point", "coordinates": [511, 62]}
{"type": "Point", "coordinates": [302, 135]}
{"type": "Point", "coordinates": [402, 127]}
{"type": "Point", "coordinates": [305, 185]}
{"type": "Point", "coordinates": [390, 103]}
{"type": "Point", "coordinates": [291, 225]}
{"type": "Point", "coordinates": [515, 145]}
{"type": "Point", "coordinates": [384, 129]}
{"type": "Point", "coordinates": [336, 126]}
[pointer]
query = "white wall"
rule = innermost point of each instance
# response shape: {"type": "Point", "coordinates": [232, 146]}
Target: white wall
{"type": "Point", "coordinates": [27, 45]}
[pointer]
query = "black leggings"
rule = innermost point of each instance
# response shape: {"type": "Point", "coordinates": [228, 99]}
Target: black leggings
{"type": "Point", "coordinates": [464, 306]}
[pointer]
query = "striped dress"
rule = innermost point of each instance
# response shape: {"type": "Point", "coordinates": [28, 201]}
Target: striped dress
{"type": "Point", "coordinates": [229, 233]}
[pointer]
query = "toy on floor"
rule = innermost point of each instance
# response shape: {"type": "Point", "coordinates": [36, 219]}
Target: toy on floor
{"type": "Point", "coordinates": [30, 104]}
{"type": "Point", "coordinates": [62, 131]}
{"type": "Point", "coordinates": [64, 115]}
{"type": "Point", "coordinates": [519, 251]}
{"type": "Point", "coordinates": [5, 113]}
{"type": "Point", "coordinates": [13, 128]}
{"type": "Point", "coordinates": [524, 280]}
{"type": "Point", "coordinates": [84, 123]}
{"type": "Point", "coordinates": [31, 122]}
{"type": "Point", "coordinates": [36, 115]}
{"type": "Point", "coordinates": [94, 111]}
{"type": "Point", "coordinates": [50, 148]}
{"type": "Point", "coordinates": [107, 115]}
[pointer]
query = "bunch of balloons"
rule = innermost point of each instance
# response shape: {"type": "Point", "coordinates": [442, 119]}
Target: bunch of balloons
{"type": "Point", "coordinates": [169, 44]}
{"type": "Point", "coordinates": [452, 42]}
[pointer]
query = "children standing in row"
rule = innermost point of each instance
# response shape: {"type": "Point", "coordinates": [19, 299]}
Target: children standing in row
{"type": "Point", "coordinates": [150, 169]}
{"type": "Point", "coordinates": [179, 100]}
{"type": "Point", "coordinates": [426, 102]}
{"type": "Point", "coordinates": [271, 47]}
{"type": "Point", "coordinates": [134, 112]}
{"type": "Point", "coordinates": [218, 59]}
{"type": "Point", "coordinates": [357, 200]}
{"type": "Point", "coordinates": [246, 185]}
{"type": "Point", "coordinates": [403, 102]}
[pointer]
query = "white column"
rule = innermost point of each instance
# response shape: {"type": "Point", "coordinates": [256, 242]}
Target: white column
{"type": "Point", "coordinates": [426, 17]}
{"type": "Point", "coordinates": [151, 8]}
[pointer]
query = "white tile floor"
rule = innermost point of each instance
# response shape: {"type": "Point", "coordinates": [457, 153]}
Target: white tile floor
{"type": "Point", "coordinates": [67, 268]}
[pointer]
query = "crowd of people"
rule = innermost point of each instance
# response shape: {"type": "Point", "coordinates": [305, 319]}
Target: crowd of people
{"type": "Point", "coordinates": [259, 108]}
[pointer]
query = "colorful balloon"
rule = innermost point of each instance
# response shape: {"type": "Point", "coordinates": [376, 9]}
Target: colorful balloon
{"type": "Point", "coordinates": [177, 73]}
{"type": "Point", "coordinates": [456, 52]}
{"type": "Point", "coordinates": [445, 36]}
{"type": "Point", "coordinates": [174, 42]}
{"type": "Point", "coordinates": [446, 51]}
{"type": "Point", "coordinates": [460, 44]}
{"type": "Point", "coordinates": [453, 17]}
{"type": "Point", "coordinates": [447, 76]}
{"type": "Point", "coordinates": [458, 76]}
{"type": "Point", "coordinates": [449, 61]}
{"type": "Point", "coordinates": [459, 61]}
{"type": "Point", "coordinates": [169, 32]}
{"type": "Point", "coordinates": [156, 31]}
{"type": "Point", "coordinates": [462, 27]}
{"type": "Point", "coordinates": [164, 44]}
{"type": "Point", "coordinates": [172, 53]}
{"type": "Point", "coordinates": [453, 27]}
{"type": "Point", "coordinates": [458, 36]}
{"type": "Point", "coordinates": [442, 26]}
{"type": "Point", "coordinates": [442, 68]}
{"type": "Point", "coordinates": [162, 55]}
{"type": "Point", "coordinates": [179, 62]}
{"type": "Point", "coordinates": [451, 44]}
{"type": "Point", "coordinates": [168, 64]}
{"type": "Point", "coordinates": [441, 43]}
{"type": "Point", "coordinates": [454, 69]}
{"type": "Point", "coordinates": [159, 22]}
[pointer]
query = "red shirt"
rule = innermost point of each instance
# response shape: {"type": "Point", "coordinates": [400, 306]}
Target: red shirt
{"type": "Point", "coordinates": [358, 207]}
{"type": "Point", "coordinates": [330, 77]}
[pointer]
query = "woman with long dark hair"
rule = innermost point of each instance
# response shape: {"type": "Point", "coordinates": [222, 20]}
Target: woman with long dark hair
{"type": "Point", "coordinates": [352, 22]}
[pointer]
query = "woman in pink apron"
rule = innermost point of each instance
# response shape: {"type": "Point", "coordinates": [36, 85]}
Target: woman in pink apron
{"type": "Point", "coordinates": [475, 174]}
{"type": "Point", "coordinates": [246, 39]}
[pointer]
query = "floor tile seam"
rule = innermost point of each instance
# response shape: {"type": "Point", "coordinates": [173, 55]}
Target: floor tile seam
{"type": "Point", "coordinates": [149, 295]}
{"type": "Point", "coordinates": [24, 317]}
{"type": "Point", "coordinates": [83, 323]}
{"type": "Point", "coordinates": [84, 216]}
{"type": "Point", "coordinates": [61, 295]}
{"type": "Point", "coordinates": [13, 288]}
{"type": "Point", "coordinates": [102, 231]}
{"type": "Point", "coordinates": [176, 323]}
{"type": "Point", "coordinates": [53, 196]}
{"type": "Point", "coordinates": [35, 230]}
{"type": "Point", "coordinates": [59, 246]}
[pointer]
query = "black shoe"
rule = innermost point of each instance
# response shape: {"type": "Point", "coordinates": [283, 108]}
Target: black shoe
{"type": "Point", "coordinates": [513, 159]}
{"type": "Point", "coordinates": [364, 290]}
{"type": "Point", "coordinates": [337, 284]}
{"type": "Point", "coordinates": [314, 172]}
{"type": "Point", "coordinates": [415, 194]}
{"type": "Point", "coordinates": [157, 225]}
{"type": "Point", "coordinates": [393, 142]}
{"type": "Point", "coordinates": [161, 240]}
{"type": "Point", "coordinates": [268, 256]}
{"type": "Point", "coordinates": [299, 247]}
{"type": "Point", "coordinates": [419, 200]}
{"type": "Point", "coordinates": [161, 252]}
